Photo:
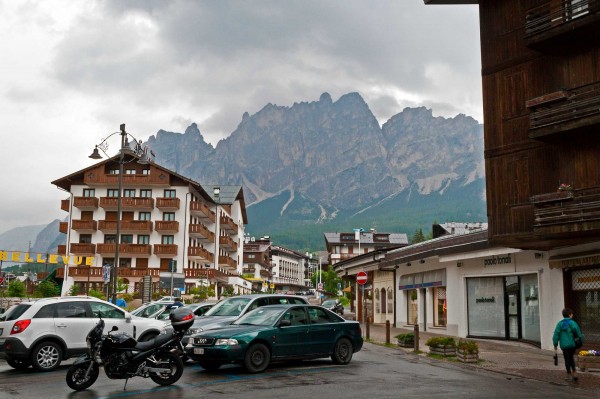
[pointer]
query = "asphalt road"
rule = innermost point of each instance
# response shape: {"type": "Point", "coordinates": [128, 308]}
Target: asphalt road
{"type": "Point", "coordinates": [375, 372]}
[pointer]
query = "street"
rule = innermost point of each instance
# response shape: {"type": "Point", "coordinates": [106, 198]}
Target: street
{"type": "Point", "coordinates": [375, 372]}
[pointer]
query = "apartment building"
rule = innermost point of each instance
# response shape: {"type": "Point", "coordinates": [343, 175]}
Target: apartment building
{"type": "Point", "coordinates": [346, 245]}
{"type": "Point", "coordinates": [173, 232]}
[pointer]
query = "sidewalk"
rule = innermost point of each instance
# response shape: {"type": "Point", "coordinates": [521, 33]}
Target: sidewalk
{"type": "Point", "coordinates": [517, 359]}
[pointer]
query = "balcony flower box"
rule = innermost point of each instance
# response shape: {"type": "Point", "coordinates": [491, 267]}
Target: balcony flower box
{"type": "Point", "coordinates": [443, 346]}
{"type": "Point", "coordinates": [552, 197]}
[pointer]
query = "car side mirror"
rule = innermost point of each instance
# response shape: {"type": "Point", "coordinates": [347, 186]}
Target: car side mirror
{"type": "Point", "coordinates": [285, 323]}
{"type": "Point", "coordinates": [127, 318]}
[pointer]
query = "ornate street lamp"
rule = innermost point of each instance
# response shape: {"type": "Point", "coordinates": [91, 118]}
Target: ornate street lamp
{"type": "Point", "coordinates": [144, 159]}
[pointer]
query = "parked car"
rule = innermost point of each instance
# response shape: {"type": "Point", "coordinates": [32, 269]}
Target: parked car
{"type": "Point", "coordinates": [229, 309]}
{"type": "Point", "coordinates": [45, 332]}
{"type": "Point", "coordinates": [200, 308]}
{"type": "Point", "coordinates": [277, 332]}
{"type": "Point", "coordinates": [334, 305]}
{"type": "Point", "coordinates": [156, 310]}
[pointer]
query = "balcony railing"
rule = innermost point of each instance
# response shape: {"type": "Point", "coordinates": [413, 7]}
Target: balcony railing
{"type": "Point", "coordinates": [61, 249]}
{"type": "Point", "coordinates": [165, 250]}
{"type": "Point", "coordinates": [84, 226]}
{"type": "Point", "coordinates": [65, 205]}
{"type": "Point", "coordinates": [124, 249]}
{"type": "Point", "coordinates": [63, 227]}
{"type": "Point", "coordinates": [565, 110]}
{"type": "Point", "coordinates": [127, 226]}
{"type": "Point", "coordinates": [228, 224]}
{"type": "Point", "coordinates": [227, 262]}
{"type": "Point", "coordinates": [83, 249]}
{"type": "Point", "coordinates": [199, 253]}
{"type": "Point", "coordinates": [98, 176]}
{"type": "Point", "coordinates": [167, 204]}
{"type": "Point", "coordinates": [228, 243]}
{"type": "Point", "coordinates": [163, 226]}
{"type": "Point", "coordinates": [201, 233]}
{"type": "Point", "coordinates": [85, 203]}
{"type": "Point", "coordinates": [199, 273]}
{"type": "Point", "coordinates": [127, 203]}
{"type": "Point", "coordinates": [555, 23]}
{"type": "Point", "coordinates": [567, 213]}
{"type": "Point", "coordinates": [200, 210]}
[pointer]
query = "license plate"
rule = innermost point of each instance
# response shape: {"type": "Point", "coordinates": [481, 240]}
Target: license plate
{"type": "Point", "coordinates": [198, 351]}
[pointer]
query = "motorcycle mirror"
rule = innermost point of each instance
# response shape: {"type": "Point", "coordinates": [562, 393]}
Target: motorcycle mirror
{"type": "Point", "coordinates": [114, 328]}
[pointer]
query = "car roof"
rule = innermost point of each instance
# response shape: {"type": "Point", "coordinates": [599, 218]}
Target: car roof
{"type": "Point", "coordinates": [265, 296]}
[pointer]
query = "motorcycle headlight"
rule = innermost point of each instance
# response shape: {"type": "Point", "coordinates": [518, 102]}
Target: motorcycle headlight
{"type": "Point", "coordinates": [226, 341]}
{"type": "Point", "coordinates": [192, 331]}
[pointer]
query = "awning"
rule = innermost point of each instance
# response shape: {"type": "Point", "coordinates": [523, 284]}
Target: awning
{"type": "Point", "coordinates": [347, 289]}
{"type": "Point", "coordinates": [574, 260]}
{"type": "Point", "coordinates": [432, 278]}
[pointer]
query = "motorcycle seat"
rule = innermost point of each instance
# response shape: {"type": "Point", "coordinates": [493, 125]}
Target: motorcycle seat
{"type": "Point", "coordinates": [156, 341]}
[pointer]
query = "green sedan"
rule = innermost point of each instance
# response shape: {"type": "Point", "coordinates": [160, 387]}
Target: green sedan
{"type": "Point", "coordinates": [277, 332]}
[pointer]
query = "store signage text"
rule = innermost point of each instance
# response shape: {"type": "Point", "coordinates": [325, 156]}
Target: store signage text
{"type": "Point", "coordinates": [41, 258]}
{"type": "Point", "coordinates": [485, 300]}
{"type": "Point", "coordinates": [497, 260]}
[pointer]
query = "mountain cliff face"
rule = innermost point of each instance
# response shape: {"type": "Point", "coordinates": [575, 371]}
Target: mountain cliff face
{"type": "Point", "coordinates": [329, 165]}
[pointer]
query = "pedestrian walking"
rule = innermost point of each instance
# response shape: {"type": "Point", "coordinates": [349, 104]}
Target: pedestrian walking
{"type": "Point", "coordinates": [568, 334]}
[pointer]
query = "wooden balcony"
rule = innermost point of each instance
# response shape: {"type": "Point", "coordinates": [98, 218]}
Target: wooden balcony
{"type": "Point", "coordinates": [228, 224]}
{"type": "Point", "coordinates": [140, 250]}
{"type": "Point", "coordinates": [83, 249]}
{"type": "Point", "coordinates": [84, 226]}
{"type": "Point", "coordinates": [165, 250]}
{"type": "Point", "coordinates": [63, 227]}
{"type": "Point", "coordinates": [228, 243]}
{"type": "Point", "coordinates": [227, 262]}
{"type": "Point", "coordinates": [562, 26]}
{"type": "Point", "coordinates": [567, 213]}
{"type": "Point", "coordinates": [166, 227]}
{"type": "Point", "coordinates": [200, 210]}
{"type": "Point", "coordinates": [199, 273]}
{"type": "Point", "coordinates": [127, 226]}
{"type": "Point", "coordinates": [167, 204]}
{"type": "Point", "coordinates": [99, 177]}
{"type": "Point", "coordinates": [200, 254]}
{"type": "Point", "coordinates": [127, 203]}
{"type": "Point", "coordinates": [130, 272]}
{"type": "Point", "coordinates": [65, 205]}
{"type": "Point", "coordinates": [201, 233]}
{"type": "Point", "coordinates": [86, 203]}
{"type": "Point", "coordinates": [61, 249]}
{"type": "Point", "coordinates": [570, 110]}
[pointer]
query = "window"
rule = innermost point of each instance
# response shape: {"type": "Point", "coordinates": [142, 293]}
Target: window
{"type": "Point", "coordinates": [113, 171]}
{"type": "Point", "coordinates": [126, 238]}
{"type": "Point", "coordinates": [145, 193]}
{"type": "Point", "coordinates": [145, 171]}
{"type": "Point", "coordinates": [170, 194]}
{"type": "Point", "coordinates": [110, 238]}
{"type": "Point", "coordinates": [89, 192]}
{"type": "Point", "coordinates": [129, 192]}
{"type": "Point", "coordinates": [143, 239]}
{"type": "Point", "coordinates": [130, 172]}
{"type": "Point", "coordinates": [112, 193]}
{"type": "Point", "coordinates": [439, 307]}
{"type": "Point", "coordinates": [46, 312]}
{"type": "Point", "coordinates": [71, 310]}
{"type": "Point", "coordinates": [413, 307]}
{"type": "Point", "coordinates": [85, 239]}
{"type": "Point", "coordinates": [168, 239]}
{"type": "Point", "coordinates": [144, 216]}
{"type": "Point", "coordinates": [124, 262]}
{"type": "Point", "coordinates": [169, 216]}
{"type": "Point", "coordinates": [106, 311]}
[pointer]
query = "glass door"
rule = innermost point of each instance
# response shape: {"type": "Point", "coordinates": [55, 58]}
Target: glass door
{"type": "Point", "coordinates": [512, 304]}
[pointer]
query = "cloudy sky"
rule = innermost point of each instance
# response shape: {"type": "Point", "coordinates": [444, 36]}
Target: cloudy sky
{"type": "Point", "coordinates": [73, 71]}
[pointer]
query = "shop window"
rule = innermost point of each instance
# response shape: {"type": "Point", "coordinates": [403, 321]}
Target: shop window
{"type": "Point", "coordinates": [439, 307]}
{"type": "Point", "coordinates": [390, 297]}
{"type": "Point", "coordinates": [413, 307]}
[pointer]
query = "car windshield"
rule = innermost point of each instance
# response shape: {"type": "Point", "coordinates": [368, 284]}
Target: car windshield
{"type": "Point", "coordinates": [228, 307]}
{"type": "Point", "coordinates": [263, 316]}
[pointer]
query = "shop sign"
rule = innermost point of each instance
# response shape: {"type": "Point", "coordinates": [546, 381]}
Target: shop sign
{"type": "Point", "coordinates": [497, 260]}
{"type": "Point", "coordinates": [485, 300]}
{"type": "Point", "coordinates": [16, 256]}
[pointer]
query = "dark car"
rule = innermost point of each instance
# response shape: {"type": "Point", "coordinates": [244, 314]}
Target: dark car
{"type": "Point", "coordinates": [277, 332]}
{"type": "Point", "coordinates": [229, 309]}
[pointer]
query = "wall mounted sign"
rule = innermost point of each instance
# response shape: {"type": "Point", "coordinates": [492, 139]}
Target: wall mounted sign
{"type": "Point", "coordinates": [15, 256]}
{"type": "Point", "coordinates": [497, 260]}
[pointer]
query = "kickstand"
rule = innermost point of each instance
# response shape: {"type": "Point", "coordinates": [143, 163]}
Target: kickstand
{"type": "Point", "coordinates": [125, 386]}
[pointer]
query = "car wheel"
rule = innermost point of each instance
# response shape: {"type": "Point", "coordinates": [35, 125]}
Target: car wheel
{"type": "Point", "coordinates": [210, 366]}
{"type": "Point", "coordinates": [257, 358]}
{"type": "Point", "coordinates": [46, 356]}
{"type": "Point", "coordinates": [18, 364]}
{"type": "Point", "coordinates": [342, 352]}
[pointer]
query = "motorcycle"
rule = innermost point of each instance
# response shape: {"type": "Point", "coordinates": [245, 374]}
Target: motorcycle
{"type": "Point", "coordinates": [123, 357]}
{"type": "Point", "coordinates": [338, 308]}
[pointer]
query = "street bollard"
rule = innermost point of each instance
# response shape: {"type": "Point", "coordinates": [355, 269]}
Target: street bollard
{"type": "Point", "coordinates": [387, 331]}
{"type": "Point", "coordinates": [416, 332]}
{"type": "Point", "coordinates": [367, 328]}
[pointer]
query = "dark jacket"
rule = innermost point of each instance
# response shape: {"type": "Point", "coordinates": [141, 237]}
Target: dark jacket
{"type": "Point", "coordinates": [563, 333]}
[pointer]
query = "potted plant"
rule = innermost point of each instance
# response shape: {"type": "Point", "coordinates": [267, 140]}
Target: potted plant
{"type": "Point", "coordinates": [467, 351]}
{"type": "Point", "coordinates": [588, 359]}
{"type": "Point", "coordinates": [406, 340]}
{"type": "Point", "coordinates": [444, 346]}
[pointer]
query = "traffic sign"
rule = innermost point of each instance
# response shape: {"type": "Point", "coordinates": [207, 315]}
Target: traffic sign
{"type": "Point", "coordinates": [320, 286]}
{"type": "Point", "coordinates": [361, 278]}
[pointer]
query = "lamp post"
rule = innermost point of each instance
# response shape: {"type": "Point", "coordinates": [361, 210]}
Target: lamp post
{"type": "Point", "coordinates": [103, 146]}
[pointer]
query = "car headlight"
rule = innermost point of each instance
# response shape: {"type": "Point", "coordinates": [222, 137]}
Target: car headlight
{"type": "Point", "coordinates": [226, 341]}
{"type": "Point", "coordinates": [192, 331]}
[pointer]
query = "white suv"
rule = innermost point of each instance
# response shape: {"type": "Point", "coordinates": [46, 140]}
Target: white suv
{"type": "Point", "coordinates": [44, 332]}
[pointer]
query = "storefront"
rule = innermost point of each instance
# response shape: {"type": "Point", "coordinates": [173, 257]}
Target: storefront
{"type": "Point", "coordinates": [504, 307]}
{"type": "Point", "coordinates": [419, 289]}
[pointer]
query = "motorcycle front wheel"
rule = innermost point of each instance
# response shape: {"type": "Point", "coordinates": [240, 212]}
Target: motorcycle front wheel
{"type": "Point", "coordinates": [173, 363]}
{"type": "Point", "coordinates": [77, 379]}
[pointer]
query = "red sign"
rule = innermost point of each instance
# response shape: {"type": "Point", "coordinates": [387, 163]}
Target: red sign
{"type": "Point", "coordinates": [361, 278]}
